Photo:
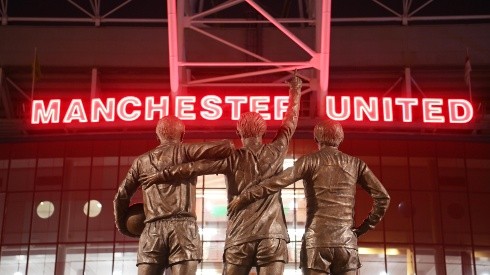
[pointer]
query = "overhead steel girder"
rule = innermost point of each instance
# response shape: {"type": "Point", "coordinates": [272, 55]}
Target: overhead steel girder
{"type": "Point", "coordinates": [319, 57]}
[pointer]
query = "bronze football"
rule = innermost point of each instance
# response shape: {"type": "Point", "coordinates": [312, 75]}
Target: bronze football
{"type": "Point", "coordinates": [135, 219]}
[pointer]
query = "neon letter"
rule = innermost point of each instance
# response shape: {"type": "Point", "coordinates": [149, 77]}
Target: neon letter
{"type": "Point", "coordinates": [213, 111]}
{"type": "Point", "coordinates": [122, 111]}
{"type": "Point", "coordinates": [235, 102]}
{"type": "Point", "coordinates": [107, 111]}
{"type": "Point", "coordinates": [406, 104]}
{"type": "Point", "coordinates": [258, 104]}
{"type": "Point", "coordinates": [151, 107]}
{"type": "Point", "coordinates": [459, 104]}
{"type": "Point", "coordinates": [280, 107]}
{"type": "Point", "coordinates": [387, 109]}
{"type": "Point", "coordinates": [49, 115]}
{"type": "Point", "coordinates": [345, 108]}
{"type": "Point", "coordinates": [182, 106]}
{"type": "Point", "coordinates": [431, 107]}
{"type": "Point", "coordinates": [75, 112]}
{"type": "Point", "coordinates": [371, 110]}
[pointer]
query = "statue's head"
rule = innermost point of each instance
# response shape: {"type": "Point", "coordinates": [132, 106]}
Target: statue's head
{"type": "Point", "coordinates": [251, 124]}
{"type": "Point", "coordinates": [170, 128]}
{"type": "Point", "coordinates": [329, 132]}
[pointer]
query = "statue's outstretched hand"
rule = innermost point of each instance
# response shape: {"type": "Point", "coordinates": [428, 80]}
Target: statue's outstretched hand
{"type": "Point", "coordinates": [295, 83]}
{"type": "Point", "coordinates": [148, 180]}
{"type": "Point", "coordinates": [361, 230]}
{"type": "Point", "coordinates": [235, 205]}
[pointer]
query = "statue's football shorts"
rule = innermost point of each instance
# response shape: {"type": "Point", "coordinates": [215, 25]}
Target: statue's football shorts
{"type": "Point", "coordinates": [332, 260]}
{"type": "Point", "coordinates": [257, 253]}
{"type": "Point", "coordinates": [167, 242]}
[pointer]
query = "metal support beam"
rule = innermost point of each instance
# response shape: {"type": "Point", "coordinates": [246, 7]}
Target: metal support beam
{"type": "Point", "coordinates": [173, 45]}
{"type": "Point", "coordinates": [5, 97]}
{"type": "Point", "coordinates": [3, 11]}
{"type": "Point", "coordinates": [323, 19]}
{"type": "Point", "coordinates": [408, 83]}
{"type": "Point", "coordinates": [95, 83]}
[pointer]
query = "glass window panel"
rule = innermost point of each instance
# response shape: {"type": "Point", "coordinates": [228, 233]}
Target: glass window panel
{"type": "Point", "coordinates": [125, 259]}
{"type": "Point", "coordinates": [480, 209]}
{"type": "Point", "coordinates": [398, 218]}
{"type": "Point", "coordinates": [215, 219]}
{"type": "Point", "coordinates": [210, 268]}
{"type": "Point", "coordinates": [200, 182]}
{"type": "Point", "coordinates": [455, 218]}
{"type": "Point", "coordinates": [49, 174]}
{"type": "Point", "coordinates": [299, 195]}
{"type": "Point", "coordinates": [13, 259]}
{"type": "Point", "coordinates": [17, 222]}
{"type": "Point", "coordinates": [70, 259]}
{"type": "Point", "coordinates": [459, 261]}
{"type": "Point", "coordinates": [51, 149]}
{"type": "Point", "coordinates": [42, 259]}
{"type": "Point", "coordinates": [213, 251]}
{"type": "Point", "coordinates": [21, 176]}
{"type": "Point", "coordinates": [426, 217]}
{"type": "Point", "coordinates": [449, 149]}
{"type": "Point", "coordinates": [373, 162]}
{"type": "Point", "coordinates": [423, 173]}
{"type": "Point", "coordinates": [430, 260]}
{"type": "Point", "coordinates": [45, 226]}
{"type": "Point", "coordinates": [394, 173]}
{"type": "Point", "coordinates": [418, 148]}
{"type": "Point", "coordinates": [452, 174]}
{"type": "Point", "coordinates": [77, 173]}
{"type": "Point", "coordinates": [393, 148]}
{"type": "Point", "coordinates": [400, 260]}
{"type": "Point", "coordinates": [135, 147]}
{"type": "Point", "coordinates": [290, 206]}
{"type": "Point", "coordinates": [199, 206]}
{"type": "Point", "coordinates": [478, 173]}
{"type": "Point", "coordinates": [2, 208]}
{"type": "Point", "coordinates": [304, 146]}
{"type": "Point", "coordinates": [215, 181]}
{"type": "Point", "coordinates": [372, 258]}
{"type": "Point", "coordinates": [104, 172]}
{"type": "Point", "coordinates": [23, 150]}
{"type": "Point", "coordinates": [78, 149]}
{"type": "Point", "coordinates": [102, 148]}
{"type": "Point", "coordinates": [125, 163]}
{"type": "Point", "coordinates": [101, 227]}
{"type": "Point", "coordinates": [363, 206]}
{"type": "Point", "coordinates": [294, 249]}
{"type": "Point", "coordinates": [292, 268]}
{"type": "Point", "coordinates": [482, 261]}
{"type": "Point", "coordinates": [361, 148]}
{"type": "Point", "coordinates": [73, 225]}
{"type": "Point", "coordinates": [4, 169]}
{"type": "Point", "coordinates": [98, 259]}
{"type": "Point", "coordinates": [5, 150]}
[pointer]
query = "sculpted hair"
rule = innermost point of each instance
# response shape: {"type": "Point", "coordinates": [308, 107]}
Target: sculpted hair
{"type": "Point", "coordinates": [329, 132]}
{"type": "Point", "coordinates": [251, 124]}
{"type": "Point", "coordinates": [170, 127]}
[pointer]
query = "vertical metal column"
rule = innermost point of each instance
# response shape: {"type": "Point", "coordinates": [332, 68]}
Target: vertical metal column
{"type": "Point", "coordinates": [173, 46]}
{"type": "Point", "coordinates": [323, 24]}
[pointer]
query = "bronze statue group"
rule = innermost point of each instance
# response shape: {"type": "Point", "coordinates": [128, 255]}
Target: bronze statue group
{"type": "Point", "coordinates": [256, 234]}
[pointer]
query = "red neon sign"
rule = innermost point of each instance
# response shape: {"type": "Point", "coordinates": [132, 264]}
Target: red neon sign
{"type": "Point", "coordinates": [214, 107]}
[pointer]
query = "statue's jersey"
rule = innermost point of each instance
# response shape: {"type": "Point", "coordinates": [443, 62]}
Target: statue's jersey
{"type": "Point", "coordinates": [166, 200]}
{"type": "Point", "coordinates": [330, 178]}
{"type": "Point", "coordinates": [245, 168]}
